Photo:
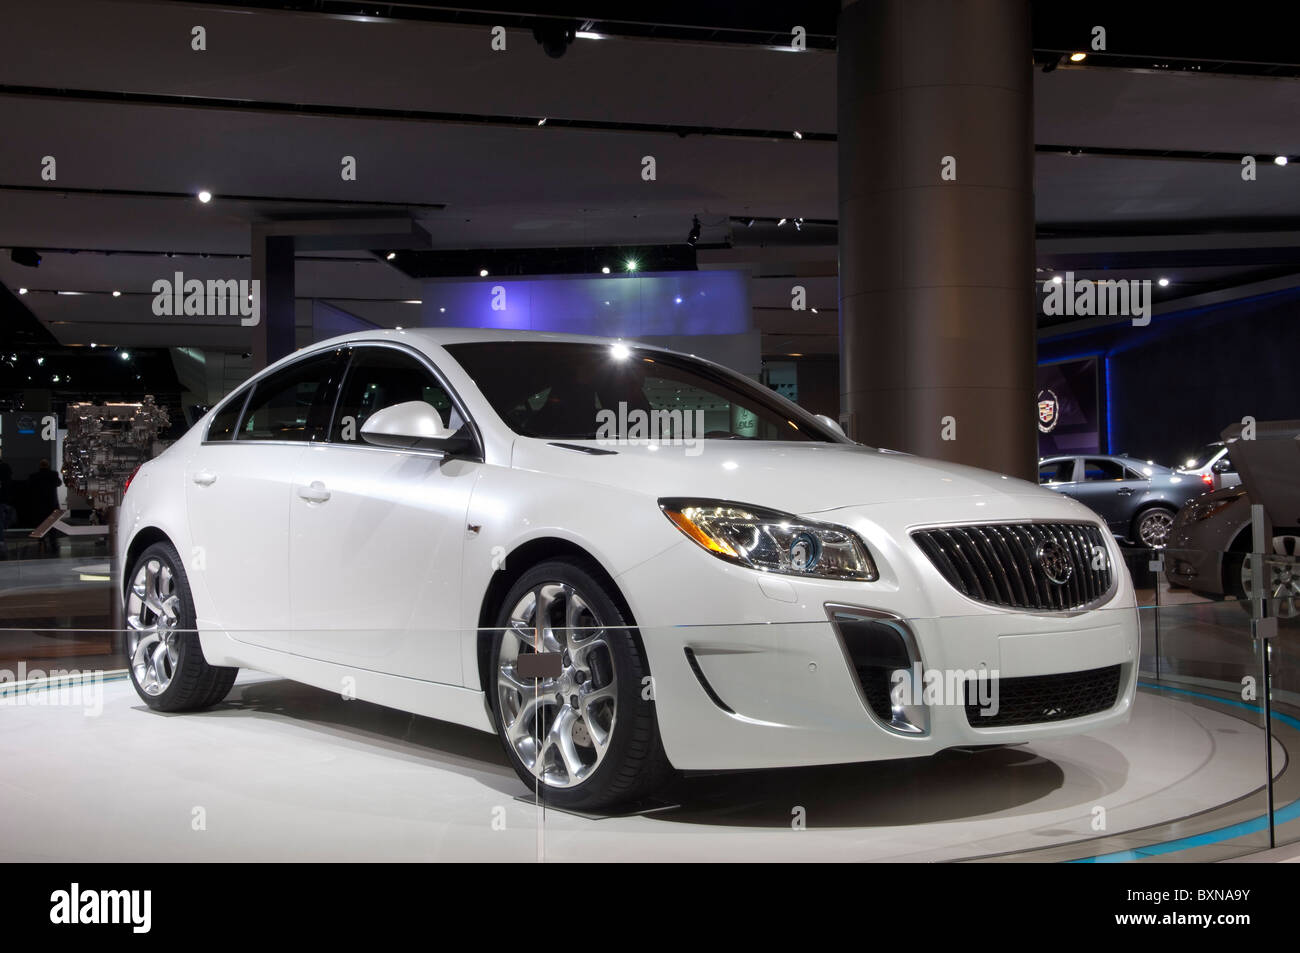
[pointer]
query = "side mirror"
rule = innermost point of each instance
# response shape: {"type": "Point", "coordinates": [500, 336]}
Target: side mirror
{"type": "Point", "coordinates": [830, 423]}
{"type": "Point", "coordinates": [413, 425]}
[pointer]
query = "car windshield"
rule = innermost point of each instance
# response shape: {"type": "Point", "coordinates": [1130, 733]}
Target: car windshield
{"type": "Point", "coordinates": [1202, 456]}
{"type": "Point", "coordinates": [560, 390]}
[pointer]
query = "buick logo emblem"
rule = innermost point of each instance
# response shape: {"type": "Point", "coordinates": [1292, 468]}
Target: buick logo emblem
{"type": "Point", "coordinates": [1055, 561]}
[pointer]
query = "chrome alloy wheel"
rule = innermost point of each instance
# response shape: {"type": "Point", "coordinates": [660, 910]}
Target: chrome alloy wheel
{"type": "Point", "coordinates": [153, 619]}
{"type": "Point", "coordinates": [559, 727]}
{"type": "Point", "coordinates": [1153, 528]}
{"type": "Point", "coordinates": [1283, 578]}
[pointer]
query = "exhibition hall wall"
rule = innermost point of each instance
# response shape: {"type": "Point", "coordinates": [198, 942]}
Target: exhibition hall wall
{"type": "Point", "coordinates": [1169, 388]}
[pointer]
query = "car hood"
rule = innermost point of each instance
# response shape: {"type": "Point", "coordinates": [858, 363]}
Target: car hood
{"type": "Point", "coordinates": [798, 478]}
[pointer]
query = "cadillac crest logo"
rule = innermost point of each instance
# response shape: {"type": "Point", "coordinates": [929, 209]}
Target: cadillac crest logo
{"type": "Point", "coordinates": [1049, 411]}
{"type": "Point", "coordinates": [1054, 560]}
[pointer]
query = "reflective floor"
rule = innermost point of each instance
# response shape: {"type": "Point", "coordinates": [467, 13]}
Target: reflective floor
{"type": "Point", "coordinates": [281, 771]}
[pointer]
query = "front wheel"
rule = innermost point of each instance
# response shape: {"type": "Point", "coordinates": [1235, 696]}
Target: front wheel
{"type": "Point", "coordinates": [586, 737]}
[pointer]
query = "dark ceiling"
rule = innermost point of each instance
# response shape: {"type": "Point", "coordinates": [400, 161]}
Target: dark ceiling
{"type": "Point", "coordinates": [1137, 168]}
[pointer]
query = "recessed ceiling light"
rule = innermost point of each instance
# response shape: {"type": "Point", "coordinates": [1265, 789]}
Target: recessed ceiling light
{"type": "Point", "coordinates": [1056, 279]}
{"type": "Point", "coordinates": [780, 223]}
{"type": "Point", "coordinates": [1163, 282]}
{"type": "Point", "coordinates": [542, 121]}
{"type": "Point", "coordinates": [1078, 57]}
{"type": "Point", "coordinates": [630, 264]}
{"type": "Point", "coordinates": [442, 310]}
{"type": "Point", "coordinates": [391, 255]}
{"type": "Point", "coordinates": [22, 291]}
{"type": "Point", "coordinates": [482, 272]}
{"type": "Point", "coordinates": [1280, 160]}
{"type": "Point", "coordinates": [605, 270]}
{"type": "Point", "coordinates": [205, 196]}
{"type": "Point", "coordinates": [117, 294]}
{"type": "Point", "coordinates": [798, 134]}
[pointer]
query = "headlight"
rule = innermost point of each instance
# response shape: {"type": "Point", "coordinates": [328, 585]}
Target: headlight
{"type": "Point", "coordinates": [771, 541]}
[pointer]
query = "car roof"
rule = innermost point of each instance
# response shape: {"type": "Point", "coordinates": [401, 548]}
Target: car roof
{"type": "Point", "coordinates": [1134, 462]}
{"type": "Point", "coordinates": [447, 336]}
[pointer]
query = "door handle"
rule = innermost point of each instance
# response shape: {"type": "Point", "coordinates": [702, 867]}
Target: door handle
{"type": "Point", "coordinates": [1125, 491]}
{"type": "Point", "coordinates": [315, 493]}
{"type": "Point", "coordinates": [205, 478]}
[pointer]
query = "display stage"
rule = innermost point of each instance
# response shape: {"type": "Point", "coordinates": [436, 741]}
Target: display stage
{"type": "Point", "coordinates": [283, 772]}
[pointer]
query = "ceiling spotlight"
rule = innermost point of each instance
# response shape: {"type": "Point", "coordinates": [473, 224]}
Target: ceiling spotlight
{"type": "Point", "coordinates": [205, 196]}
{"type": "Point", "coordinates": [1056, 279]}
{"type": "Point", "coordinates": [390, 256]}
{"type": "Point", "coordinates": [442, 310]}
{"type": "Point", "coordinates": [780, 223]}
{"type": "Point", "coordinates": [1280, 160]}
{"type": "Point", "coordinates": [93, 344]}
{"type": "Point", "coordinates": [117, 294]}
{"type": "Point", "coordinates": [482, 272]}
{"type": "Point", "coordinates": [1163, 282]}
{"type": "Point", "coordinates": [694, 235]}
{"type": "Point", "coordinates": [27, 257]}
{"type": "Point", "coordinates": [630, 264]}
{"type": "Point", "coordinates": [605, 270]}
{"type": "Point", "coordinates": [555, 37]}
{"type": "Point", "coordinates": [542, 121]}
{"type": "Point", "coordinates": [814, 310]}
{"type": "Point", "coordinates": [677, 300]}
{"type": "Point", "coordinates": [798, 134]}
{"type": "Point", "coordinates": [22, 291]}
{"type": "Point", "coordinates": [125, 355]}
{"type": "Point", "coordinates": [749, 223]}
{"type": "Point", "coordinates": [1078, 57]}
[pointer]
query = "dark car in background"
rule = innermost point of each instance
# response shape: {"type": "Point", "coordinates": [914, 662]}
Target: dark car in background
{"type": "Point", "coordinates": [1138, 499]}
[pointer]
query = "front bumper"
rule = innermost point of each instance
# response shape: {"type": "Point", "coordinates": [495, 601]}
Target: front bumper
{"type": "Point", "coordinates": [750, 671]}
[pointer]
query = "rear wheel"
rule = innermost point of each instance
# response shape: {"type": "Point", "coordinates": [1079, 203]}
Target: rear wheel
{"type": "Point", "coordinates": [164, 657]}
{"type": "Point", "coordinates": [1151, 528]}
{"type": "Point", "coordinates": [587, 737]}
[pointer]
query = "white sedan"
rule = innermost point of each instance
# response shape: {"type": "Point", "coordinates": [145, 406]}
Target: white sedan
{"type": "Point", "coordinates": [620, 559]}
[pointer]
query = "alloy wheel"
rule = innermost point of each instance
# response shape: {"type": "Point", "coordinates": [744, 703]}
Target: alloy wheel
{"type": "Point", "coordinates": [1282, 581]}
{"type": "Point", "coordinates": [560, 728]}
{"type": "Point", "coordinates": [153, 619]}
{"type": "Point", "coordinates": [1153, 528]}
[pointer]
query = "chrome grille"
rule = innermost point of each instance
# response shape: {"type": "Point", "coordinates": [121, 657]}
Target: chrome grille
{"type": "Point", "coordinates": [999, 563]}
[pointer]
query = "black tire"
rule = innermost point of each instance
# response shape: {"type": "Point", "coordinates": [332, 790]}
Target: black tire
{"type": "Point", "coordinates": [634, 764]}
{"type": "Point", "coordinates": [194, 684]}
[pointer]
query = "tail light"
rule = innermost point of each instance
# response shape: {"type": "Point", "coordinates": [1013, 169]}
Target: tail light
{"type": "Point", "coordinates": [1208, 480]}
{"type": "Point", "coordinates": [127, 485]}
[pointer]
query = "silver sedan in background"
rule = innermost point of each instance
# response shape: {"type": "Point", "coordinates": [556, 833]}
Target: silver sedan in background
{"type": "Point", "coordinates": [1138, 499]}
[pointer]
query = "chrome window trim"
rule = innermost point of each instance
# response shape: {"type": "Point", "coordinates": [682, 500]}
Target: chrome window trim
{"type": "Point", "coordinates": [250, 385]}
{"type": "Point", "coordinates": [350, 346]}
